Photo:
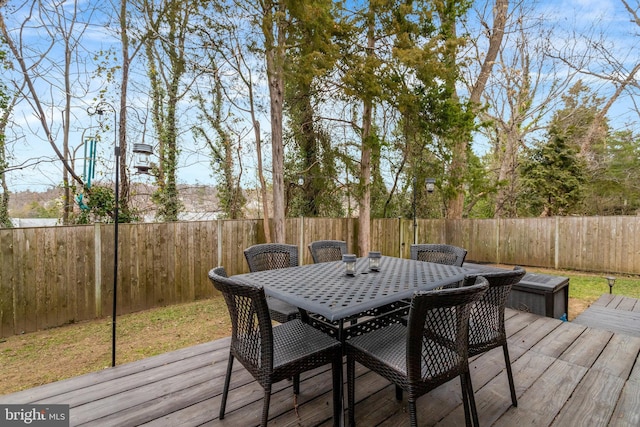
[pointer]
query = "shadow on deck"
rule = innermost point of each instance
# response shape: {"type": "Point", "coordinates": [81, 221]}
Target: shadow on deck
{"type": "Point", "coordinates": [565, 374]}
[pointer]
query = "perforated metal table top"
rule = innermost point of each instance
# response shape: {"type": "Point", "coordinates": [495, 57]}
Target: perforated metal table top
{"type": "Point", "coordinates": [325, 289]}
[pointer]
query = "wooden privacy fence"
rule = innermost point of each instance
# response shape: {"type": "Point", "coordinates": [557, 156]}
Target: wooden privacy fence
{"type": "Point", "coordinates": [56, 275]}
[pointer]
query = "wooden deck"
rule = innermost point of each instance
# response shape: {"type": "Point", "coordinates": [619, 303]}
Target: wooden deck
{"type": "Point", "coordinates": [613, 313]}
{"type": "Point", "coordinates": [566, 374]}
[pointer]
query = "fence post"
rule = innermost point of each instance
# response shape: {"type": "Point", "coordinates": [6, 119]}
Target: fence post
{"type": "Point", "coordinates": [556, 245]}
{"type": "Point", "coordinates": [301, 241]}
{"type": "Point", "coordinates": [498, 241]}
{"type": "Point", "coordinates": [97, 248]}
{"type": "Point", "coordinates": [219, 231]}
{"type": "Point", "coordinates": [399, 238]}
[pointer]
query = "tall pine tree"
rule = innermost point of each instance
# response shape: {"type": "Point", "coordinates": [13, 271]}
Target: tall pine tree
{"type": "Point", "coordinates": [554, 175]}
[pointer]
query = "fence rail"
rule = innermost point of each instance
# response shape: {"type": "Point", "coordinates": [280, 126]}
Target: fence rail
{"type": "Point", "coordinates": [51, 276]}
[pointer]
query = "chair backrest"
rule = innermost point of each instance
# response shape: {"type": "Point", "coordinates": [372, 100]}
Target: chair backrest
{"type": "Point", "coordinates": [327, 250]}
{"type": "Point", "coordinates": [269, 256]}
{"type": "Point", "coordinates": [441, 254]}
{"type": "Point", "coordinates": [251, 333]}
{"type": "Point", "coordinates": [442, 317]}
{"type": "Point", "coordinates": [487, 318]}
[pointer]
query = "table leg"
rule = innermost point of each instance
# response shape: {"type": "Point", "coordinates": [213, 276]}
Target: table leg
{"type": "Point", "coordinates": [340, 381]}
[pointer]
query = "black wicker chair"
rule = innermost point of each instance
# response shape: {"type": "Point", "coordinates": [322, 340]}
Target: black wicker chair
{"type": "Point", "coordinates": [272, 353]}
{"type": "Point", "coordinates": [269, 256]}
{"type": "Point", "coordinates": [430, 351]}
{"type": "Point", "coordinates": [486, 324]}
{"type": "Point", "coordinates": [441, 254]}
{"type": "Point", "coordinates": [327, 250]}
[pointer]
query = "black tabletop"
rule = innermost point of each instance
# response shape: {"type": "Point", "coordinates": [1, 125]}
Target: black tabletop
{"type": "Point", "coordinates": [325, 289]}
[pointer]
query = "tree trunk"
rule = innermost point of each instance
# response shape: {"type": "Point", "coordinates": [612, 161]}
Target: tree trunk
{"type": "Point", "coordinates": [167, 67]}
{"type": "Point", "coordinates": [455, 205]}
{"type": "Point", "coordinates": [508, 161]}
{"type": "Point", "coordinates": [364, 195]}
{"type": "Point", "coordinates": [275, 56]}
{"type": "Point", "coordinates": [313, 186]}
{"type": "Point", "coordinates": [276, 85]}
{"type": "Point", "coordinates": [263, 184]}
{"type": "Point", "coordinates": [5, 221]}
{"type": "Point", "coordinates": [122, 131]}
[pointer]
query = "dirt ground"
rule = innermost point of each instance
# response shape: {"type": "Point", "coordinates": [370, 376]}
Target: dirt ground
{"type": "Point", "coordinates": [577, 306]}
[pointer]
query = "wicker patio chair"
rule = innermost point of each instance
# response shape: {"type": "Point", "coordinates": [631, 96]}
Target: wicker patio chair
{"type": "Point", "coordinates": [430, 351]}
{"type": "Point", "coordinates": [486, 324]}
{"type": "Point", "coordinates": [327, 250]}
{"type": "Point", "coordinates": [268, 256]}
{"type": "Point", "coordinates": [441, 254]}
{"type": "Point", "coordinates": [272, 353]}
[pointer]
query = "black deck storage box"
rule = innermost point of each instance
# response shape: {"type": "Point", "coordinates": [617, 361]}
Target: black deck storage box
{"type": "Point", "coordinates": [542, 294]}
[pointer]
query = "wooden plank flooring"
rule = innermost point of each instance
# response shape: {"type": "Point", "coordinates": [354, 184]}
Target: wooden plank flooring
{"type": "Point", "coordinates": [613, 313]}
{"type": "Point", "coordinates": [566, 374]}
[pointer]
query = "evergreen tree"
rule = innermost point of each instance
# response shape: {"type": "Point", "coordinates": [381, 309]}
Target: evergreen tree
{"type": "Point", "coordinates": [553, 176]}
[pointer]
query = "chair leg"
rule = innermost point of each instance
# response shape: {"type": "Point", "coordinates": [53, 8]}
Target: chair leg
{"type": "Point", "coordinates": [225, 390]}
{"type": "Point", "coordinates": [351, 394]}
{"type": "Point", "coordinates": [512, 386]}
{"type": "Point", "coordinates": [465, 400]}
{"type": "Point", "coordinates": [469, 400]}
{"type": "Point", "coordinates": [296, 384]}
{"type": "Point", "coordinates": [336, 371]}
{"type": "Point", "coordinates": [265, 407]}
{"type": "Point", "coordinates": [398, 393]}
{"type": "Point", "coordinates": [413, 413]}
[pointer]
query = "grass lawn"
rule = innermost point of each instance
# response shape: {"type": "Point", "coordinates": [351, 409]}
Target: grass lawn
{"type": "Point", "coordinates": [45, 356]}
{"type": "Point", "coordinates": [42, 357]}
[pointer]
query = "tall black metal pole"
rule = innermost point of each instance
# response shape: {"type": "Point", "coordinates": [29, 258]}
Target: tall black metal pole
{"type": "Point", "coordinates": [100, 111]}
{"type": "Point", "coordinates": [116, 220]}
{"type": "Point", "coordinates": [115, 260]}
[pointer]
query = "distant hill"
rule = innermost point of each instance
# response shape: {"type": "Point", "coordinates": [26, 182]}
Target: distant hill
{"type": "Point", "coordinates": [200, 202]}
{"type": "Point", "coordinates": [33, 204]}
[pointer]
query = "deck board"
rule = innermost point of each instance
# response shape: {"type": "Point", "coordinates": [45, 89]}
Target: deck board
{"type": "Point", "coordinates": [593, 401]}
{"type": "Point", "coordinates": [618, 356]}
{"type": "Point", "coordinates": [565, 372]}
{"type": "Point", "coordinates": [626, 413]}
{"type": "Point", "coordinates": [542, 402]}
{"type": "Point", "coordinates": [613, 313]}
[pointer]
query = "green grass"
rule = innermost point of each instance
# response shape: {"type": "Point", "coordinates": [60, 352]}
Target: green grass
{"type": "Point", "coordinates": [590, 286]}
{"type": "Point", "coordinates": [26, 360]}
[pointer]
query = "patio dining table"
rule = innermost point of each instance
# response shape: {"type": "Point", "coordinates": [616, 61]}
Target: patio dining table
{"type": "Point", "coordinates": [326, 289]}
